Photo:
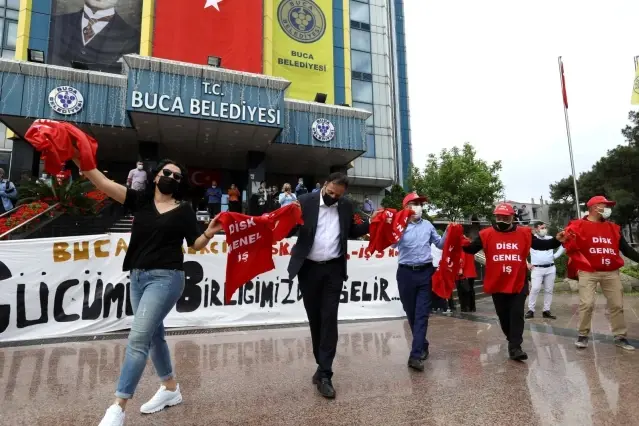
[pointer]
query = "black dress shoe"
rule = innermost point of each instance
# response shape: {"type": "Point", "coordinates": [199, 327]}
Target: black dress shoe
{"type": "Point", "coordinates": [416, 364]}
{"type": "Point", "coordinates": [529, 315]}
{"type": "Point", "coordinates": [316, 378]}
{"type": "Point", "coordinates": [424, 355]}
{"type": "Point", "coordinates": [325, 388]}
{"type": "Point", "coordinates": [517, 354]}
{"type": "Point", "coordinates": [548, 315]}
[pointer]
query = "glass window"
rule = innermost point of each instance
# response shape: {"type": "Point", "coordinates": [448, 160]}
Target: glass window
{"type": "Point", "coordinates": [362, 91]}
{"type": "Point", "coordinates": [370, 146]}
{"type": "Point", "coordinates": [360, 12]}
{"type": "Point", "coordinates": [361, 40]}
{"type": "Point", "coordinates": [361, 61]}
{"type": "Point", "coordinates": [12, 14]}
{"type": "Point", "coordinates": [11, 34]}
{"type": "Point", "coordinates": [13, 4]}
{"type": "Point", "coordinates": [9, 54]}
{"type": "Point", "coordinates": [367, 107]}
{"type": "Point", "coordinates": [4, 2]}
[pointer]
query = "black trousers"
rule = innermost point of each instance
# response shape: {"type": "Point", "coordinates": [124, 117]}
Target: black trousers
{"type": "Point", "coordinates": [466, 294]}
{"type": "Point", "coordinates": [235, 206]}
{"type": "Point", "coordinates": [321, 287]}
{"type": "Point", "coordinates": [214, 209]}
{"type": "Point", "coordinates": [510, 310]}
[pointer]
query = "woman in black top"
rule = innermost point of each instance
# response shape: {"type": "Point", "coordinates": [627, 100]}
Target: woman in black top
{"type": "Point", "coordinates": [155, 260]}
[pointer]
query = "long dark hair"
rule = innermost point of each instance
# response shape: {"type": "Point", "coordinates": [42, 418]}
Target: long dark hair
{"type": "Point", "coordinates": [184, 183]}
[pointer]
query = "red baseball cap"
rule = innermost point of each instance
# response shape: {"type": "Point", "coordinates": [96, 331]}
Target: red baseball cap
{"type": "Point", "coordinates": [504, 209]}
{"type": "Point", "coordinates": [414, 197]}
{"type": "Point", "coordinates": [600, 199]}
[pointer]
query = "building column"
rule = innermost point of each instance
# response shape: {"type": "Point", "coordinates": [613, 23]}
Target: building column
{"type": "Point", "coordinates": [256, 172]}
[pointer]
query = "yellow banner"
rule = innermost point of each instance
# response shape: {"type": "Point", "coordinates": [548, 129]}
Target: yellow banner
{"type": "Point", "coordinates": [302, 47]}
{"type": "Point", "coordinates": [635, 90]}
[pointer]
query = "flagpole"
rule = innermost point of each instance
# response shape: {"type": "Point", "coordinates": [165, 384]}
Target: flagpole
{"type": "Point", "coordinates": [572, 160]}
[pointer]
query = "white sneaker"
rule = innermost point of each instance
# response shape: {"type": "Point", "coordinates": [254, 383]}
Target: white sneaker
{"type": "Point", "coordinates": [114, 416]}
{"type": "Point", "coordinates": [162, 398]}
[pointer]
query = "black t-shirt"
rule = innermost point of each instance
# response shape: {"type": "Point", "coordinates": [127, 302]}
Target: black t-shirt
{"type": "Point", "coordinates": [156, 239]}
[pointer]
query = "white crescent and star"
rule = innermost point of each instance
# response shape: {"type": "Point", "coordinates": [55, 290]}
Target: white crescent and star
{"type": "Point", "coordinates": [197, 182]}
{"type": "Point", "coordinates": [213, 3]}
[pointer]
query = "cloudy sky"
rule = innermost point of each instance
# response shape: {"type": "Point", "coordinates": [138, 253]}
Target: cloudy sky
{"type": "Point", "coordinates": [486, 72]}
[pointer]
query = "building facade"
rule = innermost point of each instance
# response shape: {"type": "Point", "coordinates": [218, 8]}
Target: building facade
{"type": "Point", "coordinates": [242, 92]}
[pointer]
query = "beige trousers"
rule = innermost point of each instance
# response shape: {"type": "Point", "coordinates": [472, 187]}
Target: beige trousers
{"type": "Point", "coordinates": [613, 291]}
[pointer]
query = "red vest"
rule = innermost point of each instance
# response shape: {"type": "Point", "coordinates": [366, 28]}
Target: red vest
{"type": "Point", "coordinates": [506, 254]}
{"type": "Point", "coordinates": [598, 242]}
{"type": "Point", "coordinates": [468, 261]}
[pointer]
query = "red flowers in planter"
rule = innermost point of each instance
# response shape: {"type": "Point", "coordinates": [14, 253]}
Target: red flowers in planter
{"type": "Point", "coordinates": [21, 215]}
{"type": "Point", "coordinates": [357, 219]}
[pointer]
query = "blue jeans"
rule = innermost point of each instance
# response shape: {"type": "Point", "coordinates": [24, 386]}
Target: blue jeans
{"type": "Point", "coordinates": [153, 294]}
{"type": "Point", "coordinates": [415, 289]}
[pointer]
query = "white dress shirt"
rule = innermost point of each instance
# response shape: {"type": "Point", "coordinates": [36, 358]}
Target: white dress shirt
{"type": "Point", "coordinates": [326, 245]}
{"type": "Point", "coordinates": [98, 26]}
{"type": "Point", "coordinates": [544, 257]}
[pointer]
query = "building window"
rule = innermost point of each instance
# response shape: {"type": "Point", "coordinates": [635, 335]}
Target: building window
{"type": "Point", "coordinates": [361, 40]}
{"type": "Point", "coordinates": [361, 62]}
{"type": "Point", "coordinates": [362, 91]}
{"type": "Point", "coordinates": [360, 12]}
{"type": "Point", "coordinates": [8, 27]}
{"type": "Point", "coordinates": [370, 122]}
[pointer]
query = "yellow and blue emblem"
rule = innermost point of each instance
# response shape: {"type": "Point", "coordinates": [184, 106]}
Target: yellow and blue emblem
{"type": "Point", "coordinates": [301, 20]}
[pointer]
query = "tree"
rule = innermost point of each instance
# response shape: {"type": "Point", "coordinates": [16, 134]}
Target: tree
{"type": "Point", "coordinates": [631, 133]}
{"type": "Point", "coordinates": [394, 198]}
{"type": "Point", "coordinates": [458, 184]}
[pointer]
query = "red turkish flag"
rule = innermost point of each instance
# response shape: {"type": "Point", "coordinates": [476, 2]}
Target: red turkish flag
{"type": "Point", "coordinates": [193, 30]}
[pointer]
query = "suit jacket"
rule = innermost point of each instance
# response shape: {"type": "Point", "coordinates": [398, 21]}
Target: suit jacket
{"type": "Point", "coordinates": [306, 233]}
{"type": "Point", "coordinates": [102, 53]}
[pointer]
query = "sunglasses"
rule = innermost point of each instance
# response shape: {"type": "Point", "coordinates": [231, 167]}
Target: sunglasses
{"type": "Point", "coordinates": [168, 173]}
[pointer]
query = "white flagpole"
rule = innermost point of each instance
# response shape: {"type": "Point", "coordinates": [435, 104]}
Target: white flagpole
{"type": "Point", "coordinates": [572, 160]}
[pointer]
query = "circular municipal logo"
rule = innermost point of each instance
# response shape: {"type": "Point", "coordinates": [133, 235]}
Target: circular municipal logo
{"type": "Point", "coordinates": [66, 100]}
{"type": "Point", "coordinates": [323, 130]}
{"type": "Point", "coordinates": [301, 20]}
{"type": "Point", "coordinates": [636, 86]}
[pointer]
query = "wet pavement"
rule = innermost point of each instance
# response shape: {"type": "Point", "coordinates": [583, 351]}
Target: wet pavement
{"type": "Point", "coordinates": [263, 377]}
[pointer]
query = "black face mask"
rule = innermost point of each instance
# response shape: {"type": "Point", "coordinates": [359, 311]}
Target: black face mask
{"type": "Point", "coordinates": [328, 200]}
{"type": "Point", "coordinates": [167, 185]}
{"type": "Point", "coordinates": [503, 226]}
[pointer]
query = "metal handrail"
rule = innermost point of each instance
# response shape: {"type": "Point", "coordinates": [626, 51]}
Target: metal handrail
{"type": "Point", "coordinates": [29, 220]}
{"type": "Point", "coordinates": [9, 212]}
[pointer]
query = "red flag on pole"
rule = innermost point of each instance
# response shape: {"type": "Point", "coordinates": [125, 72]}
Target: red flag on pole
{"type": "Point", "coordinates": [563, 84]}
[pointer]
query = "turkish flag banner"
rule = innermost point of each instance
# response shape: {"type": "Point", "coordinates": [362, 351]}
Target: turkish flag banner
{"type": "Point", "coordinates": [443, 281]}
{"type": "Point", "coordinates": [193, 30]}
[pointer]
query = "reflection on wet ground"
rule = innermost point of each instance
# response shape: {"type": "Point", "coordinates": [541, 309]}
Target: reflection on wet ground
{"type": "Point", "coordinates": [263, 377]}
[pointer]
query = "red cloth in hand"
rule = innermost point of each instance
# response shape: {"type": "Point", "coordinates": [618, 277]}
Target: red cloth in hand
{"type": "Point", "coordinates": [250, 241]}
{"type": "Point", "coordinates": [386, 229]}
{"type": "Point", "coordinates": [448, 270]}
{"type": "Point", "coordinates": [56, 140]}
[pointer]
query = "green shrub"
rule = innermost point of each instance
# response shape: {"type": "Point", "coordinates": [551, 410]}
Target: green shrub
{"type": "Point", "coordinates": [633, 271]}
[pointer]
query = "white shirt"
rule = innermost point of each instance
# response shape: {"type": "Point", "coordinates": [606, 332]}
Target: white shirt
{"type": "Point", "coordinates": [326, 245]}
{"type": "Point", "coordinates": [98, 26]}
{"type": "Point", "coordinates": [544, 257]}
{"type": "Point", "coordinates": [437, 255]}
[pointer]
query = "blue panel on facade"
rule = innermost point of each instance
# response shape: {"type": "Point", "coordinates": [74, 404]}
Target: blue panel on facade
{"type": "Point", "coordinates": [170, 94]}
{"type": "Point", "coordinates": [349, 132]}
{"type": "Point", "coordinates": [338, 52]}
{"type": "Point", "coordinates": [39, 44]}
{"type": "Point", "coordinates": [11, 93]}
{"type": "Point", "coordinates": [34, 96]}
{"type": "Point", "coordinates": [40, 23]}
{"type": "Point", "coordinates": [41, 6]}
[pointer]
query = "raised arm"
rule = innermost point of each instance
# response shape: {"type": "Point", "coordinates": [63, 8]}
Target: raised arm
{"type": "Point", "coordinates": [559, 252]}
{"type": "Point", "coordinates": [474, 247]}
{"type": "Point", "coordinates": [114, 190]}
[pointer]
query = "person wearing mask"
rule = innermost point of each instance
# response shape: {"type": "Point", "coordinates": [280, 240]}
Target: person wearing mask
{"type": "Point", "coordinates": [414, 273]}
{"type": "Point", "coordinates": [8, 193]}
{"type": "Point", "coordinates": [542, 273]}
{"type": "Point", "coordinates": [137, 177]}
{"type": "Point", "coordinates": [318, 259]}
{"type": "Point", "coordinates": [300, 189]}
{"type": "Point", "coordinates": [154, 260]}
{"type": "Point", "coordinates": [275, 198]}
{"type": "Point", "coordinates": [317, 188]}
{"type": "Point", "coordinates": [235, 199]}
{"type": "Point", "coordinates": [506, 246]}
{"type": "Point", "coordinates": [214, 199]}
{"type": "Point", "coordinates": [594, 245]}
{"type": "Point", "coordinates": [286, 197]}
{"type": "Point", "coordinates": [368, 207]}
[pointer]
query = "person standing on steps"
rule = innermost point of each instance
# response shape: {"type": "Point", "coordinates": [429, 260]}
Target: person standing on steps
{"type": "Point", "coordinates": [318, 259]}
{"type": "Point", "coordinates": [506, 245]}
{"type": "Point", "coordinates": [214, 199]}
{"type": "Point", "coordinates": [414, 274]}
{"type": "Point", "coordinates": [542, 273]}
{"type": "Point", "coordinates": [154, 259]}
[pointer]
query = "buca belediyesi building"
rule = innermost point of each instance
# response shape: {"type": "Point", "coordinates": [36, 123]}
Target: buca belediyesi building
{"type": "Point", "coordinates": [241, 91]}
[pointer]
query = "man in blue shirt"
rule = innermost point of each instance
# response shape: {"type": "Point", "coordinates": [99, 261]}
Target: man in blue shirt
{"type": "Point", "coordinates": [414, 274]}
{"type": "Point", "coordinates": [214, 199]}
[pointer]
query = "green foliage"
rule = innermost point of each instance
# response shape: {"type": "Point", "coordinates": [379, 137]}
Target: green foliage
{"type": "Point", "coordinates": [393, 200]}
{"type": "Point", "coordinates": [458, 184]}
{"type": "Point", "coordinates": [631, 133]}
{"type": "Point", "coordinates": [72, 196]}
{"type": "Point", "coordinates": [632, 271]}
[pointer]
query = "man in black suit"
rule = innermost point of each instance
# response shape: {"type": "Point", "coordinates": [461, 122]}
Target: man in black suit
{"type": "Point", "coordinates": [95, 36]}
{"type": "Point", "coordinates": [318, 259]}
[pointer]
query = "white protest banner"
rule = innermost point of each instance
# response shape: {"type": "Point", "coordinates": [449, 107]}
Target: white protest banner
{"type": "Point", "coordinates": [71, 286]}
